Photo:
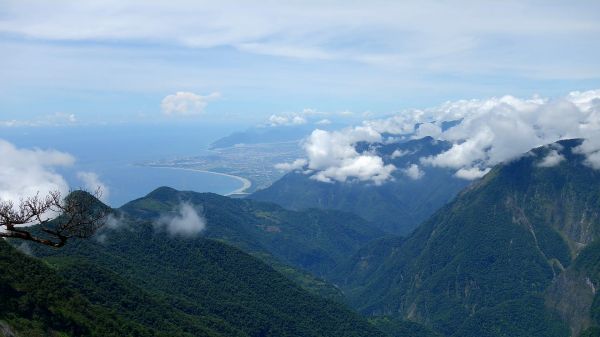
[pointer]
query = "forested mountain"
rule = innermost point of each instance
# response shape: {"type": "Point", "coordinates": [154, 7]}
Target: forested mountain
{"type": "Point", "coordinates": [313, 240]}
{"type": "Point", "coordinates": [397, 206]}
{"type": "Point", "coordinates": [517, 253]}
{"type": "Point", "coordinates": [143, 282]}
{"type": "Point", "coordinates": [508, 257]}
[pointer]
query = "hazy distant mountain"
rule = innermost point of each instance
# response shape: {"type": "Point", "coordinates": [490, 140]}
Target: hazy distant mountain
{"type": "Point", "coordinates": [263, 135]}
{"type": "Point", "coordinates": [508, 257]}
{"type": "Point", "coordinates": [396, 206]}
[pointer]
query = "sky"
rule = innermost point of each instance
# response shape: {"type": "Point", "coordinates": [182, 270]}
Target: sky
{"type": "Point", "coordinates": [212, 62]}
{"type": "Point", "coordinates": [516, 74]}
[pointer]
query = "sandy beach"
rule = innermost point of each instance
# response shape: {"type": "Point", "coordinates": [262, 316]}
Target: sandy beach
{"type": "Point", "coordinates": [246, 184]}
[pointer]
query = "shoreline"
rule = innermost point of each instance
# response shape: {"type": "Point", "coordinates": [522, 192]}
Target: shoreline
{"type": "Point", "coordinates": [246, 183]}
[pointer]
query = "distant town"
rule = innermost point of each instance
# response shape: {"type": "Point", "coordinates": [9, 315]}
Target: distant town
{"type": "Point", "coordinates": [255, 162]}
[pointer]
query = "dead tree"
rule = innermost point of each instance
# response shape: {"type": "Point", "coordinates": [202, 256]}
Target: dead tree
{"type": "Point", "coordinates": [52, 220]}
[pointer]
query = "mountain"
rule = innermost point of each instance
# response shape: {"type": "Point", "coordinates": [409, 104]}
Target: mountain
{"type": "Point", "coordinates": [263, 135]}
{"type": "Point", "coordinates": [149, 283]}
{"type": "Point", "coordinates": [68, 299]}
{"type": "Point", "coordinates": [396, 207]}
{"type": "Point", "coordinates": [312, 240]}
{"type": "Point", "coordinates": [505, 258]}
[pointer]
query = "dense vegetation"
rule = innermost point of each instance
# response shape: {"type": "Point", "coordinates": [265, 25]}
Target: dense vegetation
{"type": "Point", "coordinates": [36, 301]}
{"type": "Point", "coordinates": [482, 264]}
{"type": "Point", "coordinates": [396, 207]}
{"type": "Point", "coordinates": [313, 240]}
{"type": "Point", "coordinates": [193, 286]}
{"type": "Point", "coordinates": [515, 254]}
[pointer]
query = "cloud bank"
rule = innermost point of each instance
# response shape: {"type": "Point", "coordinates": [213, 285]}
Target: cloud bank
{"type": "Point", "coordinates": [186, 222]}
{"type": "Point", "coordinates": [332, 156]}
{"type": "Point", "coordinates": [25, 172]}
{"type": "Point", "coordinates": [92, 183]}
{"type": "Point", "coordinates": [404, 34]}
{"type": "Point", "coordinates": [186, 103]}
{"type": "Point", "coordinates": [552, 159]}
{"type": "Point", "coordinates": [482, 132]}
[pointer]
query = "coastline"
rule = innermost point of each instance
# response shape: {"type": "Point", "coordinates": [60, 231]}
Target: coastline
{"type": "Point", "coordinates": [246, 184]}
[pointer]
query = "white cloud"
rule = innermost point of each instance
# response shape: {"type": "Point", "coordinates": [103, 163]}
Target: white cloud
{"type": "Point", "coordinates": [56, 119]}
{"type": "Point", "coordinates": [399, 153]}
{"type": "Point", "coordinates": [324, 121]}
{"type": "Point", "coordinates": [413, 172]}
{"type": "Point", "coordinates": [25, 172]}
{"type": "Point", "coordinates": [305, 116]}
{"type": "Point", "coordinates": [471, 173]}
{"type": "Point", "coordinates": [286, 119]}
{"type": "Point", "coordinates": [552, 159]}
{"type": "Point", "coordinates": [403, 123]}
{"type": "Point", "coordinates": [295, 165]}
{"type": "Point", "coordinates": [187, 222]}
{"type": "Point", "coordinates": [427, 130]}
{"type": "Point", "coordinates": [332, 155]}
{"type": "Point", "coordinates": [92, 183]}
{"type": "Point", "coordinates": [500, 129]}
{"type": "Point", "coordinates": [490, 131]}
{"type": "Point", "coordinates": [405, 33]}
{"type": "Point", "coordinates": [591, 149]}
{"type": "Point", "coordinates": [186, 103]}
{"type": "Point", "coordinates": [113, 222]}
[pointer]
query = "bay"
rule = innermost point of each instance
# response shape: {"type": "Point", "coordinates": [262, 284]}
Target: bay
{"type": "Point", "coordinates": [115, 152]}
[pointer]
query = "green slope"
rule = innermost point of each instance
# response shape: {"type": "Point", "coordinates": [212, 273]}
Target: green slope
{"type": "Point", "coordinates": [206, 283]}
{"type": "Point", "coordinates": [312, 240]}
{"type": "Point", "coordinates": [495, 249]}
{"type": "Point", "coordinates": [38, 300]}
{"type": "Point", "coordinates": [396, 207]}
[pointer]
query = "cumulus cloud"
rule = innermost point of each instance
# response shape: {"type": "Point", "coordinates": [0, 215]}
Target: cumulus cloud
{"type": "Point", "coordinates": [186, 103]}
{"type": "Point", "coordinates": [307, 115]}
{"type": "Point", "coordinates": [488, 132]}
{"type": "Point", "coordinates": [92, 183]}
{"type": "Point", "coordinates": [427, 130]}
{"type": "Point", "coordinates": [471, 173]}
{"type": "Point", "coordinates": [399, 153]}
{"type": "Point", "coordinates": [499, 129]}
{"type": "Point", "coordinates": [25, 172]}
{"type": "Point", "coordinates": [186, 222]}
{"type": "Point", "coordinates": [286, 119]}
{"type": "Point", "coordinates": [552, 159]}
{"type": "Point", "coordinates": [295, 165]}
{"type": "Point", "coordinates": [413, 172]}
{"type": "Point", "coordinates": [333, 156]}
{"type": "Point", "coordinates": [591, 149]}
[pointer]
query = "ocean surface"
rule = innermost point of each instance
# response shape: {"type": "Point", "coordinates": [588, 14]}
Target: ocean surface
{"type": "Point", "coordinates": [112, 152]}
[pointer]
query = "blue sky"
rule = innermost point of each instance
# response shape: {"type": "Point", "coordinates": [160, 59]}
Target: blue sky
{"type": "Point", "coordinates": [83, 62]}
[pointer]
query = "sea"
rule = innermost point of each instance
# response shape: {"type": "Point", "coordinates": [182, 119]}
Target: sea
{"type": "Point", "coordinates": [114, 153]}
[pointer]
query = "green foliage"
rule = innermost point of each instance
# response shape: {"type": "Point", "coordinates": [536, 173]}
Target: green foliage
{"type": "Point", "coordinates": [502, 240]}
{"type": "Point", "coordinates": [523, 317]}
{"type": "Point", "coordinates": [204, 283]}
{"type": "Point", "coordinates": [588, 263]}
{"type": "Point", "coordinates": [312, 240]}
{"type": "Point", "coordinates": [395, 327]}
{"type": "Point", "coordinates": [591, 332]}
{"type": "Point", "coordinates": [35, 301]}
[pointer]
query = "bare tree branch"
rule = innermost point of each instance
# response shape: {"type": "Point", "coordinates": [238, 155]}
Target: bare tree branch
{"type": "Point", "coordinates": [78, 215]}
